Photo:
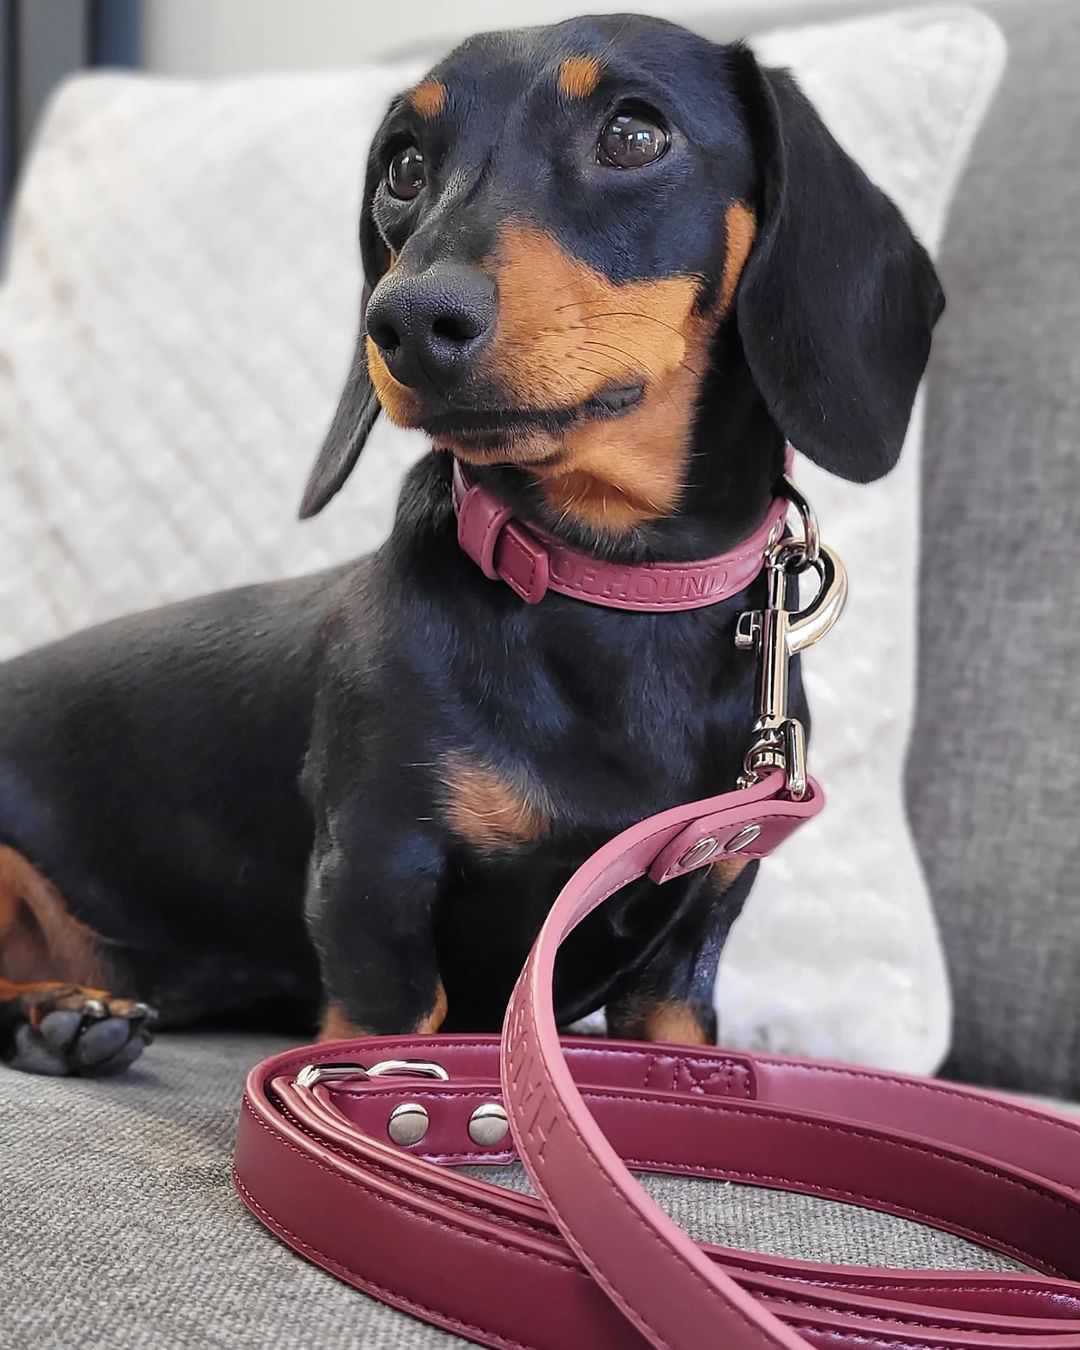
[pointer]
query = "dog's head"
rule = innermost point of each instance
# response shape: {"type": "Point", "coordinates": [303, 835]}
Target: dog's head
{"type": "Point", "coordinates": [562, 227]}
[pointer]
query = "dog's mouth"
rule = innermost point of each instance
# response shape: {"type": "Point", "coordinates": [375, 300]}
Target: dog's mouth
{"type": "Point", "coordinates": [515, 435]}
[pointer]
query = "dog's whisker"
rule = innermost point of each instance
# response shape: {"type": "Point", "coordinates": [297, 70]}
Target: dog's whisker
{"type": "Point", "coordinates": [590, 370]}
{"type": "Point", "coordinates": [634, 314]}
{"type": "Point", "coordinates": [622, 352]}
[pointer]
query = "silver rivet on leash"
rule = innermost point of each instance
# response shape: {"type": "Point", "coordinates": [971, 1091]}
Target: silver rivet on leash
{"type": "Point", "coordinates": [408, 1124]}
{"type": "Point", "coordinates": [700, 852]}
{"type": "Point", "coordinates": [745, 836]}
{"type": "Point", "coordinates": [488, 1125]}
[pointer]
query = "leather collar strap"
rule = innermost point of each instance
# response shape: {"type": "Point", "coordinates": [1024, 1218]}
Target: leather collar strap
{"type": "Point", "coordinates": [592, 1261]}
{"type": "Point", "coordinates": [532, 562]}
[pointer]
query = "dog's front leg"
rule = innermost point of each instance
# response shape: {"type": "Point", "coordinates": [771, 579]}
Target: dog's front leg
{"type": "Point", "coordinates": [371, 896]}
{"type": "Point", "coordinates": [670, 997]}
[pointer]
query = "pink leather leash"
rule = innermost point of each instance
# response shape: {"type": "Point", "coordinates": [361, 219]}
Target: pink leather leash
{"type": "Point", "coordinates": [347, 1151]}
{"type": "Point", "coordinates": [592, 1262]}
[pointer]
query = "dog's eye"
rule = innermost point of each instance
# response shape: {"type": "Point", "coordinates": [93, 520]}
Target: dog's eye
{"type": "Point", "coordinates": [632, 138]}
{"type": "Point", "coordinates": [405, 173]}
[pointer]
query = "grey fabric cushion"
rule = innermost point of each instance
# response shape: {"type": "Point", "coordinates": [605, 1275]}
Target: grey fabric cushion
{"type": "Point", "coordinates": [121, 1228]}
{"type": "Point", "coordinates": [994, 767]}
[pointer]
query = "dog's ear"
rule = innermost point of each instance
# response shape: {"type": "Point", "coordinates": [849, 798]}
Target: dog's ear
{"type": "Point", "coordinates": [838, 299]}
{"type": "Point", "coordinates": [358, 406]}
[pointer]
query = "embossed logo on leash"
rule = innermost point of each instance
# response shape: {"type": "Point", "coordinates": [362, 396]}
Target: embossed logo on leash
{"type": "Point", "coordinates": [527, 1083]}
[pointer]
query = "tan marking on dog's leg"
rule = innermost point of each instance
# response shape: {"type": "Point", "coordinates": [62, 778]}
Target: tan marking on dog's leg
{"type": "Point", "coordinates": [337, 1027]}
{"type": "Point", "coordinates": [427, 1026]}
{"type": "Point", "coordinates": [38, 998]}
{"type": "Point", "coordinates": [9, 909]}
{"type": "Point", "coordinates": [40, 939]}
{"type": "Point", "coordinates": [647, 1017]}
{"type": "Point", "coordinates": [674, 1021]}
{"type": "Point", "coordinates": [724, 873]}
{"type": "Point", "coordinates": [10, 989]}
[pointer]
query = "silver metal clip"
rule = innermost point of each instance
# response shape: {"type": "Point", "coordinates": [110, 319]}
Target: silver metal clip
{"type": "Point", "coordinates": [777, 634]}
{"type": "Point", "coordinates": [311, 1074]}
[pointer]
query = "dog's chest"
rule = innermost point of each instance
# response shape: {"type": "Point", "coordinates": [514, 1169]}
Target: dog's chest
{"type": "Point", "coordinates": [563, 738]}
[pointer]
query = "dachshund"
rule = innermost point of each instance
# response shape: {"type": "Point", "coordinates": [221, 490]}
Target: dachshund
{"type": "Point", "coordinates": [610, 269]}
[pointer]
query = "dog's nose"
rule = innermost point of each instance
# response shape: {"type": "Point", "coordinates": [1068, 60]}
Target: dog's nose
{"type": "Point", "coordinates": [432, 325]}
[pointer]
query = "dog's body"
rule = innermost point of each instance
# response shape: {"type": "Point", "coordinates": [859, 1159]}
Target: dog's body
{"type": "Point", "coordinates": [209, 722]}
{"type": "Point", "coordinates": [361, 791]}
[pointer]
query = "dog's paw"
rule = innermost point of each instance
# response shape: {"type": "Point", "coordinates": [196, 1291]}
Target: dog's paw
{"type": "Point", "coordinates": [67, 1030]}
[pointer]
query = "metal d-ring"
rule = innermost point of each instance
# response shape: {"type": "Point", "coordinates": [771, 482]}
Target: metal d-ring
{"type": "Point", "coordinates": [819, 617]}
{"type": "Point", "coordinates": [419, 1068]}
{"type": "Point", "coordinates": [311, 1074]}
{"type": "Point", "coordinates": [809, 546]}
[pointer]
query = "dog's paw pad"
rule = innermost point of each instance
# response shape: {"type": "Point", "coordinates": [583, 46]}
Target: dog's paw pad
{"type": "Point", "coordinates": [100, 1041]}
{"type": "Point", "coordinates": [121, 1060]}
{"type": "Point", "coordinates": [72, 1031]}
{"type": "Point", "coordinates": [58, 1029]}
{"type": "Point", "coordinates": [34, 1055]}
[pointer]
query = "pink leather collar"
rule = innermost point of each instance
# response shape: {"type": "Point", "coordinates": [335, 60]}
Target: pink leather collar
{"type": "Point", "coordinates": [531, 562]}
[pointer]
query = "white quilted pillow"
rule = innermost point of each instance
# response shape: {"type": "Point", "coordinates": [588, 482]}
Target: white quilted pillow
{"type": "Point", "coordinates": [177, 317]}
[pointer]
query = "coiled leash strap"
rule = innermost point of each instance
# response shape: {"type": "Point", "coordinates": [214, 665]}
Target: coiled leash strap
{"type": "Point", "coordinates": [592, 1262]}
{"type": "Point", "coordinates": [348, 1151]}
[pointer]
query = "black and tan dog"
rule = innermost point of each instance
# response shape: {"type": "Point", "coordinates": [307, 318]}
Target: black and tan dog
{"type": "Point", "coordinates": [610, 265]}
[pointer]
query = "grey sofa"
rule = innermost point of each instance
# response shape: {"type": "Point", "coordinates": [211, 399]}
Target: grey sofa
{"type": "Point", "coordinates": [120, 1227]}
{"type": "Point", "coordinates": [994, 766]}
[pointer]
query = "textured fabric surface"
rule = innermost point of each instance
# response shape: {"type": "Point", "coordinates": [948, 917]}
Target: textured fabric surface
{"type": "Point", "coordinates": [121, 1228]}
{"type": "Point", "coordinates": [994, 772]}
{"type": "Point", "coordinates": [178, 312]}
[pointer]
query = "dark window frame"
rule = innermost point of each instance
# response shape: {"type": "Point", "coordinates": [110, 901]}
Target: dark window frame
{"type": "Point", "coordinates": [41, 42]}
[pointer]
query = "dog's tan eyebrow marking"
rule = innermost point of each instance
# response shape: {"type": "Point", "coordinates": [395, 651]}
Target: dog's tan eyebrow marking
{"type": "Point", "coordinates": [741, 224]}
{"type": "Point", "coordinates": [429, 98]}
{"type": "Point", "coordinates": [579, 76]}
